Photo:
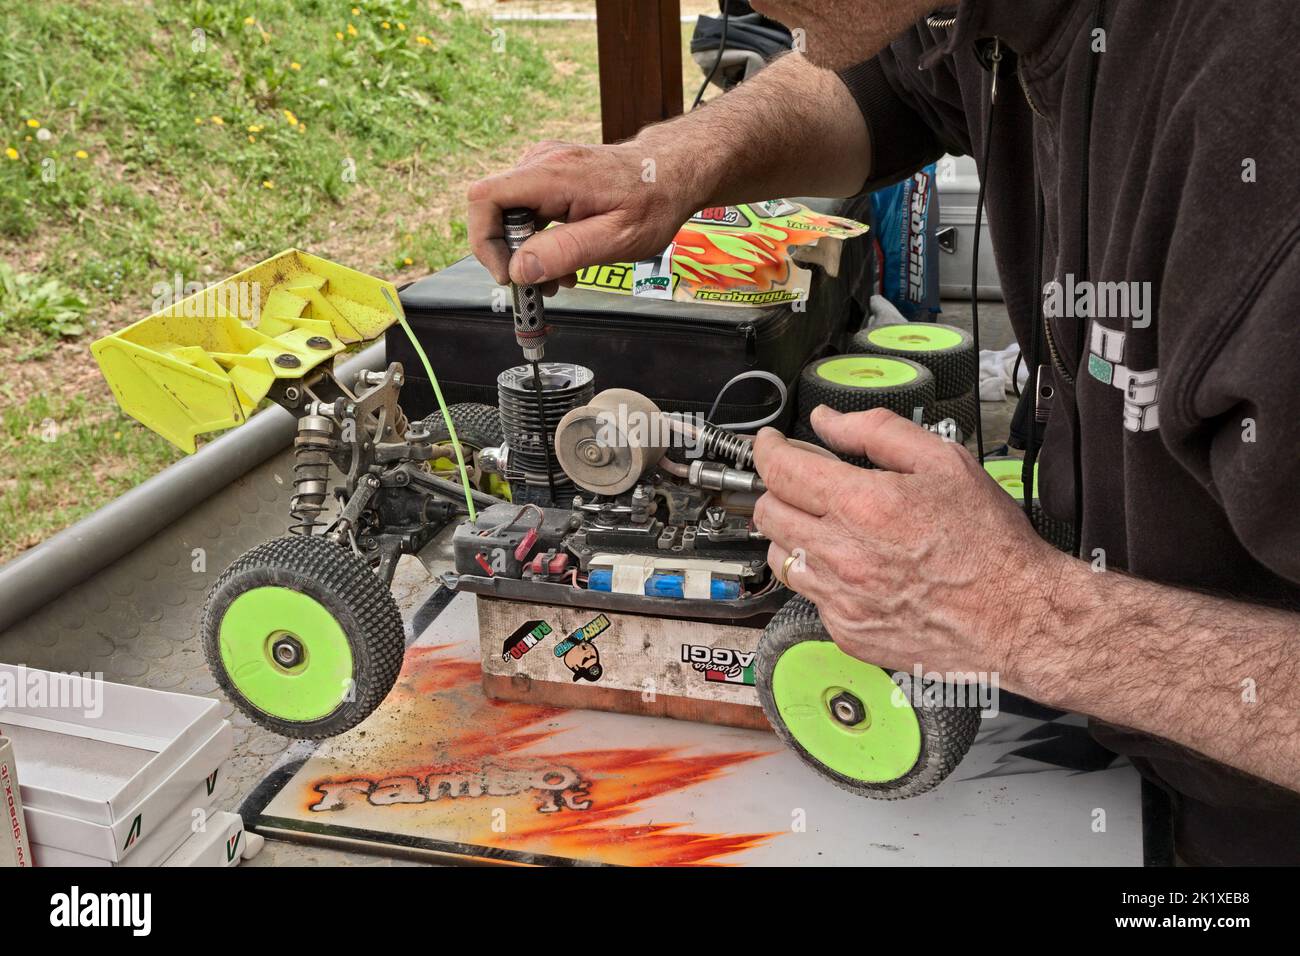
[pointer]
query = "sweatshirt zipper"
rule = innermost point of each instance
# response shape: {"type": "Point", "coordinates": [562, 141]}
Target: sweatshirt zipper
{"type": "Point", "coordinates": [1028, 96]}
{"type": "Point", "coordinates": [1051, 350]}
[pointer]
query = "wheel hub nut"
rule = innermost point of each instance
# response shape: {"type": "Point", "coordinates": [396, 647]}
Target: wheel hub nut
{"type": "Point", "coordinates": [287, 651]}
{"type": "Point", "coordinates": [847, 709]}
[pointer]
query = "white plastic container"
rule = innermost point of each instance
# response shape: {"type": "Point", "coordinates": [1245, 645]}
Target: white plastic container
{"type": "Point", "coordinates": [959, 185]}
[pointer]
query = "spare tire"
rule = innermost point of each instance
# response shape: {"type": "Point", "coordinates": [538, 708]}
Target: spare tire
{"type": "Point", "coordinates": [947, 351]}
{"type": "Point", "coordinates": [1009, 474]}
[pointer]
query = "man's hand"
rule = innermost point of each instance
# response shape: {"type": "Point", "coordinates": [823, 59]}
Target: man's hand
{"type": "Point", "coordinates": [617, 204]}
{"type": "Point", "coordinates": [626, 202]}
{"type": "Point", "coordinates": [926, 561]}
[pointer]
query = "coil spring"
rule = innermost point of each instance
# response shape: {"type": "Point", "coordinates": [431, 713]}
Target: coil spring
{"type": "Point", "coordinates": [311, 467]}
{"type": "Point", "coordinates": [722, 444]}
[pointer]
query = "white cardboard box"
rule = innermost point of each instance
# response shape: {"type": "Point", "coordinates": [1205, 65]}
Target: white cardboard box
{"type": "Point", "coordinates": [223, 843]}
{"type": "Point", "coordinates": [14, 848]}
{"type": "Point", "coordinates": [96, 763]}
{"type": "Point", "coordinates": [166, 838]}
{"type": "Point", "coordinates": [198, 773]}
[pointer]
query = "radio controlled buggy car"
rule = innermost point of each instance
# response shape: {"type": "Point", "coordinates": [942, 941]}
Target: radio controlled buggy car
{"type": "Point", "coordinates": [587, 506]}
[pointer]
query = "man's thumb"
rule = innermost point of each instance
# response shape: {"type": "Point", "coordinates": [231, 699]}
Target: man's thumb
{"type": "Point", "coordinates": [561, 250]}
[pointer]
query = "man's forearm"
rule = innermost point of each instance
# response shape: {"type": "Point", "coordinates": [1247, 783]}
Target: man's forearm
{"type": "Point", "coordinates": [1215, 675]}
{"type": "Point", "coordinates": [792, 130]}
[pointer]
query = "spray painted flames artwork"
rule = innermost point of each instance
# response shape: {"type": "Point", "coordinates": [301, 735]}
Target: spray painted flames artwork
{"type": "Point", "coordinates": [468, 771]}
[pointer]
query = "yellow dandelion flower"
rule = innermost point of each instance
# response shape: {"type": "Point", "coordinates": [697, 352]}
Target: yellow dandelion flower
{"type": "Point", "coordinates": [249, 21]}
{"type": "Point", "coordinates": [408, 261]}
{"type": "Point", "coordinates": [11, 153]}
{"type": "Point", "coordinates": [82, 154]}
{"type": "Point", "coordinates": [218, 121]}
{"type": "Point", "coordinates": [268, 184]}
{"type": "Point", "coordinates": [356, 11]}
{"type": "Point", "coordinates": [295, 66]}
{"type": "Point", "coordinates": [422, 40]}
{"type": "Point", "coordinates": [198, 121]}
{"type": "Point", "coordinates": [401, 25]}
{"type": "Point", "coordinates": [292, 120]}
{"type": "Point", "coordinates": [352, 30]}
{"type": "Point", "coordinates": [34, 124]}
{"type": "Point", "coordinates": [386, 25]}
{"type": "Point", "coordinates": [338, 36]}
{"type": "Point", "coordinates": [255, 128]}
{"type": "Point", "coordinates": [252, 138]}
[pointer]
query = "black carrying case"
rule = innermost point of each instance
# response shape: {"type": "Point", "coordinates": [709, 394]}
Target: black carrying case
{"type": "Point", "coordinates": [679, 354]}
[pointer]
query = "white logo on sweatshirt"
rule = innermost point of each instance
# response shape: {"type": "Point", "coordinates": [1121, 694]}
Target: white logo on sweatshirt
{"type": "Point", "coordinates": [1141, 389]}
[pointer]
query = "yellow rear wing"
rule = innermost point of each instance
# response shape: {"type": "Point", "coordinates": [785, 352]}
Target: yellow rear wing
{"type": "Point", "coordinates": [205, 363]}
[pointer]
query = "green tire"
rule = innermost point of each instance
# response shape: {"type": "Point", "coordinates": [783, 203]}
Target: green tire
{"type": "Point", "coordinates": [478, 426]}
{"type": "Point", "coordinates": [851, 721]}
{"type": "Point", "coordinates": [947, 351]}
{"type": "Point", "coordinates": [303, 637]}
{"type": "Point", "coordinates": [963, 410]}
{"type": "Point", "coordinates": [1008, 472]}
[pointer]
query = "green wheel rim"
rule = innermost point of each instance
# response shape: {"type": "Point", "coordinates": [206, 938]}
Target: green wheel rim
{"type": "Point", "coordinates": [496, 485]}
{"type": "Point", "coordinates": [914, 337]}
{"type": "Point", "coordinates": [309, 690]}
{"type": "Point", "coordinates": [1008, 474]}
{"type": "Point", "coordinates": [866, 371]}
{"type": "Point", "coordinates": [806, 681]}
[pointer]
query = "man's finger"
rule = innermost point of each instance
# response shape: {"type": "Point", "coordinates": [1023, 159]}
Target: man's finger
{"type": "Point", "coordinates": [800, 478]}
{"type": "Point", "coordinates": [487, 240]}
{"type": "Point", "coordinates": [784, 524]}
{"type": "Point", "coordinates": [792, 568]}
{"type": "Point", "coordinates": [890, 441]}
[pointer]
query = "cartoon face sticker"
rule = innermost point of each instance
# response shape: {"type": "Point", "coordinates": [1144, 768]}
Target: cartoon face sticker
{"type": "Point", "coordinates": [583, 659]}
{"type": "Point", "coordinates": [578, 652]}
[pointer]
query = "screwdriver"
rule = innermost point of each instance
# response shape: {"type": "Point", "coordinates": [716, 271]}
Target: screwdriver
{"type": "Point", "coordinates": [530, 323]}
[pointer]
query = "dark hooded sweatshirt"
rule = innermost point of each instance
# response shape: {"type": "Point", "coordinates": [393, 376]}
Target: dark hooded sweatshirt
{"type": "Point", "coordinates": [1188, 417]}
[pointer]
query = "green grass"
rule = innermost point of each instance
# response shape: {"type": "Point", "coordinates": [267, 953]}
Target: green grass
{"type": "Point", "coordinates": [234, 136]}
{"type": "Point", "coordinates": [175, 137]}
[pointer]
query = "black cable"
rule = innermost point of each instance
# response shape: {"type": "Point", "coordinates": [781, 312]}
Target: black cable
{"type": "Point", "coordinates": [1030, 463]}
{"type": "Point", "coordinates": [722, 48]}
{"type": "Point", "coordinates": [975, 252]}
{"type": "Point", "coordinates": [1080, 333]}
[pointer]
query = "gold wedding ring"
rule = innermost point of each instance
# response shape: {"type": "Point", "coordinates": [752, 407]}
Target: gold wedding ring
{"type": "Point", "coordinates": [785, 569]}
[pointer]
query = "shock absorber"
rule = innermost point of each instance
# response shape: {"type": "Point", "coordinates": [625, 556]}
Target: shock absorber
{"type": "Point", "coordinates": [723, 444]}
{"type": "Point", "coordinates": [311, 468]}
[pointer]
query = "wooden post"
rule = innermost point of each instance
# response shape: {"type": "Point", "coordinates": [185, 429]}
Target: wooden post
{"type": "Point", "coordinates": [640, 48]}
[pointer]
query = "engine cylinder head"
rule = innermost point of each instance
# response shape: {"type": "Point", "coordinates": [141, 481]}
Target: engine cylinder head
{"type": "Point", "coordinates": [530, 430]}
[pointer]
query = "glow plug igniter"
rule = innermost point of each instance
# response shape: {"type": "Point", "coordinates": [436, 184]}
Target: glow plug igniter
{"type": "Point", "coordinates": [530, 313]}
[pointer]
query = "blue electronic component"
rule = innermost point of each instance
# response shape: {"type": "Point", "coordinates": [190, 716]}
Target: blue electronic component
{"type": "Point", "coordinates": [667, 585]}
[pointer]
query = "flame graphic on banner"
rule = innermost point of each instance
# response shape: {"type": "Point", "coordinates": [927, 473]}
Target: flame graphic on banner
{"type": "Point", "coordinates": [757, 256]}
{"type": "Point", "coordinates": [451, 762]}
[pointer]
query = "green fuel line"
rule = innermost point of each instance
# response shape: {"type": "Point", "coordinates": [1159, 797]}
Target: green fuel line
{"type": "Point", "coordinates": [442, 404]}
